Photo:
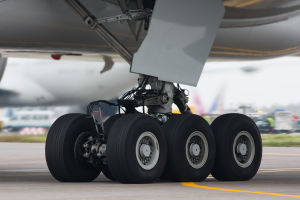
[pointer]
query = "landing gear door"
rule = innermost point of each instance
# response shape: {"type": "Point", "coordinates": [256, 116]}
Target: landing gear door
{"type": "Point", "coordinates": [179, 40]}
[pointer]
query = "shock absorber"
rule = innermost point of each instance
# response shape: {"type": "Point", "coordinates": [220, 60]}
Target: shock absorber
{"type": "Point", "coordinates": [181, 99]}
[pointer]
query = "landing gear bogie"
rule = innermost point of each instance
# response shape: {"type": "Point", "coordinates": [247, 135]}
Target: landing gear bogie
{"type": "Point", "coordinates": [143, 147]}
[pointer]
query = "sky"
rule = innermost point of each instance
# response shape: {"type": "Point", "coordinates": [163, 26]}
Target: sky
{"type": "Point", "coordinates": [271, 82]}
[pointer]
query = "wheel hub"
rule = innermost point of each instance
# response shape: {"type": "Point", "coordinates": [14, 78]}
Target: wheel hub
{"type": "Point", "coordinates": [89, 149]}
{"type": "Point", "coordinates": [195, 149]}
{"type": "Point", "coordinates": [242, 149]}
{"type": "Point", "coordinates": [145, 150]}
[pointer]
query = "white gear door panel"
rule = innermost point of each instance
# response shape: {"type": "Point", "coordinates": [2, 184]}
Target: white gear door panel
{"type": "Point", "coordinates": [179, 40]}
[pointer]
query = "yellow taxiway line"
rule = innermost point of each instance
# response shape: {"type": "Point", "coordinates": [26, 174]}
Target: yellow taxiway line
{"type": "Point", "coordinates": [194, 185]}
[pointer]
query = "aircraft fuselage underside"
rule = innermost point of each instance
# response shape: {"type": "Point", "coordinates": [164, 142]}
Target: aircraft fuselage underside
{"type": "Point", "coordinates": [249, 30]}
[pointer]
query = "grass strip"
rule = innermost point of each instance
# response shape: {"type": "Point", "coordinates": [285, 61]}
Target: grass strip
{"type": "Point", "coordinates": [281, 140]}
{"type": "Point", "coordinates": [23, 138]}
{"type": "Point", "coordinates": [269, 140]}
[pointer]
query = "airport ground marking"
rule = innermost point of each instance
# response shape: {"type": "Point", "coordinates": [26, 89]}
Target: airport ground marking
{"type": "Point", "coordinates": [279, 170]}
{"type": "Point", "coordinates": [282, 154]}
{"type": "Point", "coordinates": [194, 185]}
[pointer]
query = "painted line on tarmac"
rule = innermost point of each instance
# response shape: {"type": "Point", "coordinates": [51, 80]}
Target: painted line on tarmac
{"type": "Point", "coordinates": [194, 185]}
{"type": "Point", "coordinates": [22, 175]}
{"type": "Point", "coordinates": [282, 154]}
{"type": "Point", "coordinates": [274, 170]}
{"type": "Point", "coordinates": [24, 170]}
{"type": "Point", "coordinates": [279, 170]}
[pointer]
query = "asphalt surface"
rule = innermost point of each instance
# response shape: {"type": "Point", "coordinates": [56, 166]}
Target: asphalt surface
{"type": "Point", "coordinates": [24, 175]}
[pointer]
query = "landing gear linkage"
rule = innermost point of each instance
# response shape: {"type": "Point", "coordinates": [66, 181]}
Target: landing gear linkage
{"type": "Point", "coordinates": [97, 25]}
{"type": "Point", "coordinates": [158, 99]}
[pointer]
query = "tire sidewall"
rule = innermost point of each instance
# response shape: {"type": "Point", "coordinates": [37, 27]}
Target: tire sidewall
{"type": "Point", "coordinates": [226, 127]}
{"type": "Point", "coordinates": [140, 126]}
{"type": "Point", "coordinates": [235, 128]}
{"type": "Point", "coordinates": [80, 125]}
{"type": "Point", "coordinates": [187, 124]}
{"type": "Point", "coordinates": [60, 151]}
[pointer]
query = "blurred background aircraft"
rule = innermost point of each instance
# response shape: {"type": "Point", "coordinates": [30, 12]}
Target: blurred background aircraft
{"type": "Point", "coordinates": [34, 92]}
{"type": "Point", "coordinates": [36, 82]}
{"type": "Point", "coordinates": [30, 98]}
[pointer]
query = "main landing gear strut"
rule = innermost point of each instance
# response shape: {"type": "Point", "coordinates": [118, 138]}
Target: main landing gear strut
{"type": "Point", "coordinates": [139, 147]}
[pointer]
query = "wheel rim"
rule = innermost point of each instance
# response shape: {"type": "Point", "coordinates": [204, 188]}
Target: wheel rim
{"type": "Point", "coordinates": [147, 150]}
{"type": "Point", "coordinates": [79, 150]}
{"type": "Point", "coordinates": [243, 149]}
{"type": "Point", "coordinates": [83, 150]}
{"type": "Point", "coordinates": [196, 149]}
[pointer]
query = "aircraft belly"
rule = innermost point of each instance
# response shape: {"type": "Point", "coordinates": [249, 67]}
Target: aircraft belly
{"type": "Point", "coordinates": [258, 42]}
{"type": "Point", "coordinates": [51, 25]}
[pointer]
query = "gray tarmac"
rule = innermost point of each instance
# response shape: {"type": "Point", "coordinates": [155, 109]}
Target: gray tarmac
{"type": "Point", "coordinates": [24, 175]}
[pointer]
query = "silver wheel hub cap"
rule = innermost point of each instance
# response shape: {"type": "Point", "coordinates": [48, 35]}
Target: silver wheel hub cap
{"type": "Point", "coordinates": [243, 149]}
{"type": "Point", "coordinates": [147, 150]}
{"type": "Point", "coordinates": [197, 149]}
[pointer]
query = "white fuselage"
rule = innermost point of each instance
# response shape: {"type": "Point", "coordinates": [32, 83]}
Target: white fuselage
{"type": "Point", "coordinates": [50, 82]}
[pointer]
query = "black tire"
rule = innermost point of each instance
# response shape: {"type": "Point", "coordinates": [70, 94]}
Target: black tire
{"type": "Point", "coordinates": [60, 152]}
{"type": "Point", "coordinates": [226, 128]}
{"type": "Point", "coordinates": [106, 172]}
{"type": "Point", "coordinates": [178, 129]}
{"type": "Point", "coordinates": [107, 126]}
{"type": "Point", "coordinates": [109, 123]}
{"type": "Point", "coordinates": [121, 149]}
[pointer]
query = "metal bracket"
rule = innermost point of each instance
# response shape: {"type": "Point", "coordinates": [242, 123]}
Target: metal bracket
{"type": "Point", "coordinates": [100, 29]}
{"type": "Point", "coordinates": [132, 15]}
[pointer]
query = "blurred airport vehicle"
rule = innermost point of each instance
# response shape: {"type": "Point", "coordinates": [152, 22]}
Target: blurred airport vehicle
{"type": "Point", "coordinates": [296, 120]}
{"type": "Point", "coordinates": [29, 118]}
{"type": "Point", "coordinates": [283, 121]}
{"type": "Point", "coordinates": [26, 120]}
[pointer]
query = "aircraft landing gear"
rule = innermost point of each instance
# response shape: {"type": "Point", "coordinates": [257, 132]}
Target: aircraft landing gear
{"type": "Point", "coordinates": [135, 147]}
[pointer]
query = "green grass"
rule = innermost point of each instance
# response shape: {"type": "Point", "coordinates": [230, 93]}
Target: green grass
{"type": "Point", "coordinates": [281, 140]}
{"type": "Point", "coordinates": [23, 138]}
{"type": "Point", "coordinates": [269, 140]}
